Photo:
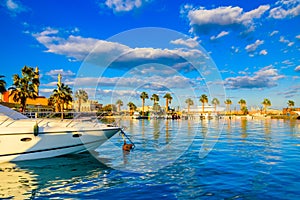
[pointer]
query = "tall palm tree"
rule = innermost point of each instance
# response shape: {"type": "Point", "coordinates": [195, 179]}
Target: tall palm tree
{"type": "Point", "coordinates": [61, 96]}
{"type": "Point", "coordinates": [203, 99]}
{"type": "Point", "coordinates": [132, 107]}
{"type": "Point", "coordinates": [266, 103]}
{"type": "Point", "coordinates": [242, 103]}
{"type": "Point", "coordinates": [119, 103]}
{"type": "Point", "coordinates": [2, 84]}
{"type": "Point", "coordinates": [25, 87]}
{"type": "Point", "coordinates": [189, 103]}
{"type": "Point", "coordinates": [155, 99]}
{"type": "Point", "coordinates": [143, 96]}
{"type": "Point", "coordinates": [291, 104]}
{"type": "Point", "coordinates": [168, 98]}
{"type": "Point", "coordinates": [215, 102]}
{"type": "Point", "coordinates": [82, 96]}
{"type": "Point", "coordinates": [228, 103]}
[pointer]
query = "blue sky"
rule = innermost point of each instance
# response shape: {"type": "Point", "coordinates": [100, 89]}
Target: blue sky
{"type": "Point", "coordinates": [119, 48]}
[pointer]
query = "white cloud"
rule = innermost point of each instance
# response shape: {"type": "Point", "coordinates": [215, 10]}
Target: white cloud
{"type": "Point", "coordinates": [225, 16]}
{"type": "Point", "coordinates": [264, 78]}
{"type": "Point", "coordinates": [274, 33]}
{"type": "Point", "coordinates": [221, 34]}
{"type": "Point", "coordinates": [190, 42]}
{"type": "Point", "coordinates": [62, 72]}
{"type": "Point", "coordinates": [78, 48]}
{"type": "Point", "coordinates": [283, 40]}
{"type": "Point", "coordinates": [298, 37]}
{"type": "Point", "coordinates": [155, 82]}
{"type": "Point", "coordinates": [15, 7]}
{"type": "Point", "coordinates": [124, 5]}
{"type": "Point", "coordinates": [285, 9]}
{"type": "Point", "coordinates": [297, 69]}
{"type": "Point", "coordinates": [235, 49]}
{"type": "Point", "coordinates": [253, 47]}
{"type": "Point", "coordinates": [263, 52]}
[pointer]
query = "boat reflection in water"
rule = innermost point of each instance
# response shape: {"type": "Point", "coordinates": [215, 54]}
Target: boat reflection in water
{"type": "Point", "coordinates": [50, 178]}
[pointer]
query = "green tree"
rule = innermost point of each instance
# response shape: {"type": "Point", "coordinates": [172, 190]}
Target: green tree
{"type": "Point", "coordinates": [155, 99]}
{"type": "Point", "coordinates": [119, 103]}
{"type": "Point", "coordinates": [143, 96]}
{"type": "Point", "coordinates": [243, 104]}
{"type": "Point", "coordinates": [2, 84]}
{"type": "Point", "coordinates": [244, 110]}
{"type": "Point", "coordinates": [215, 102]}
{"type": "Point", "coordinates": [228, 103]}
{"type": "Point", "coordinates": [266, 103]}
{"type": "Point", "coordinates": [109, 108]}
{"type": "Point", "coordinates": [189, 103]}
{"type": "Point", "coordinates": [61, 96]}
{"type": "Point", "coordinates": [132, 107]}
{"type": "Point", "coordinates": [25, 87]}
{"type": "Point", "coordinates": [168, 98]}
{"type": "Point", "coordinates": [203, 99]}
{"type": "Point", "coordinates": [82, 96]}
{"type": "Point", "coordinates": [291, 104]}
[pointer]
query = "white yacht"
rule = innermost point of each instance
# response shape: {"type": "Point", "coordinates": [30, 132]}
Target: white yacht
{"type": "Point", "coordinates": [22, 138]}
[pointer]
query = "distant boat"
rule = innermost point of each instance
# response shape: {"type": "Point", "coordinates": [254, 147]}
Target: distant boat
{"type": "Point", "coordinates": [22, 138]}
{"type": "Point", "coordinates": [137, 115]}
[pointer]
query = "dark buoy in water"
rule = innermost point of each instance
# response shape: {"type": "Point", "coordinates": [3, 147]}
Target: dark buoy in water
{"type": "Point", "coordinates": [127, 147]}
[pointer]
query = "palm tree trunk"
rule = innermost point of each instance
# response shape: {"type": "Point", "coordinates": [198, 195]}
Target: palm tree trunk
{"type": "Point", "coordinates": [188, 109]}
{"type": "Point", "coordinates": [167, 105]}
{"type": "Point", "coordinates": [62, 111]}
{"type": "Point", "coordinates": [79, 105]}
{"type": "Point", "coordinates": [143, 102]}
{"type": "Point", "coordinates": [202, 107]}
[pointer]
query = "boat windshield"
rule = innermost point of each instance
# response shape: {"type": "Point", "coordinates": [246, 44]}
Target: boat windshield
{"type": "Point", "coordinates": [7, 112]}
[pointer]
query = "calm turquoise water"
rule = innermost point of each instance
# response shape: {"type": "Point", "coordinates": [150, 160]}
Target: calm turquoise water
{"type": "Point", "coordinates": [237, 159]}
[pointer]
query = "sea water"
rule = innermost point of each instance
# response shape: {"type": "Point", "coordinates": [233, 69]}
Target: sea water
{"type": "Point", "coordinates": [172, 159]}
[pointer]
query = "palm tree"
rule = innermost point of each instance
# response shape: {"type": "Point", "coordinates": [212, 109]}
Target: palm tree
{"type": "Point", "coordinates": [2, 84]}
{"type": "Point", "coordinates": [215, 102]}
{"type": "Point", "coordinates": [189, 103]}
{"type": "Point", "coordinates": [119, 103]}
{"type": "Point", "coordinates": [132, 107]}
{"type": "Point", "coordinates": [143, 96]}
{"type": "Point", "coordinates": [242, 103]}
{"type": "Point", "coordinates": [203, 99]}
{"type": "Point", "coordinates": [291, 104]}
{"type": "Point", "coordinates": [82, 96]}
{"type": "Point", "coordinates": [25, 87]}
{"type": "Point", "coordinates": [266, 103]}
{"type": "Point", "coordinates": [155, 99]}
{"type": "Point", "coordinates": [168, 98]}
{"type": "Point", "coordinates": [61, 96]}
{"type": "Point", "coordinates": [228, 103]}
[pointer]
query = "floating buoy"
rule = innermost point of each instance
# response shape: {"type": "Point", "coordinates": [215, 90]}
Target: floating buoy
{"type": "Point", "coordinates": [127, 147]}
{"type": "Point", "coordinates": [35, 129]}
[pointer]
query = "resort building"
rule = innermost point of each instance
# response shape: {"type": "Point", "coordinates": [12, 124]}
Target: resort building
{"type": "Point", "coordinates": [87, 106]}
{"type": "Point", "coordinates": [207, 109]}
{"type": "Point", "coordinates": [39, 101]}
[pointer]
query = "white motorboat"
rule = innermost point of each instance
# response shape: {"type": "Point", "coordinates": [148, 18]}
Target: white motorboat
{"type": "Point", "coordinates": [22, 138]}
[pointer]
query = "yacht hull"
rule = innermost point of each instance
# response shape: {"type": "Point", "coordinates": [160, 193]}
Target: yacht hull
{"type": "Point", "coordinates": [20, 146]}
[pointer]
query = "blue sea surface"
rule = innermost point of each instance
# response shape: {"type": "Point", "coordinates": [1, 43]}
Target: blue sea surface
{"type": "Point", "coordinates": [173, 159]}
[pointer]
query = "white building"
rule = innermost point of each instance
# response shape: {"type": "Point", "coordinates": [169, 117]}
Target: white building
{"type": "Point", "coordinates": [207, 109]}
{"type": "Point", "coordinates": [88, 106]}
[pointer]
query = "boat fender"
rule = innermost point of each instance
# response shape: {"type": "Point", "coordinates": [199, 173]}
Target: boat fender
{"type": "Point", "coordinates": [36, 129]}
{"type": "Point", "coordinates": [127, 147]}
